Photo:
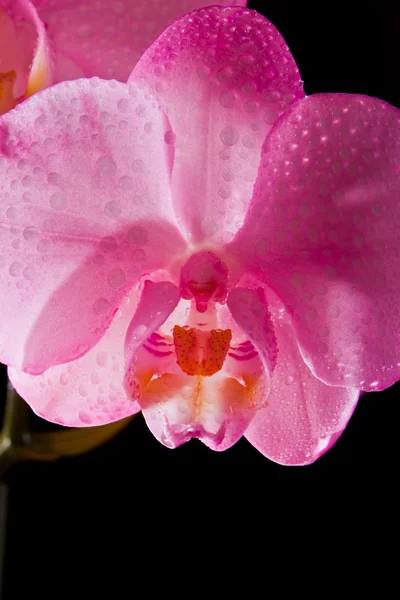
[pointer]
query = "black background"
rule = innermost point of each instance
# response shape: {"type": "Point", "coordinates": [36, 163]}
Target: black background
{"type": "Point", "coordinates": [340, 46]}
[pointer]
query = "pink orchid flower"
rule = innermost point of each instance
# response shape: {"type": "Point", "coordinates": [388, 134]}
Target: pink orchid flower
{"type": "Point", "coordinates": [204, 244]}
{"type": "Point", "coordinates": [47, 41]}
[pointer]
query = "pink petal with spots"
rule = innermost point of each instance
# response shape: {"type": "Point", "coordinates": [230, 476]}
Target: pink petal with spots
{"type": "Point", "coordinates": [89, 390]}
{"type": "Point", "coordinates": [223, 76]}
{"type": "Point", "coordinates": [106, 39]}
{"type": "Point", "coordinates": [41, 68]}
{"type": "Point", "coordinates": [304, 417]}
{"type": "Point", "coordinates": [83, 214]}
{"type": "Point", "coordinates": [323, 232]}
{"type": "Point", "coordinates": [157, 302]}
{"type": "Point", "coordinates": [20, 29]}
{"type": "Point", "coordinates": [250, 311]}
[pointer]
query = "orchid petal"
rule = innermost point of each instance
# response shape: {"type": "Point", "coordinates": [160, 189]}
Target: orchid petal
{"type": "Point", "coordinates": [83, 215]}
{"type": "Point", "coordinates": [223, 76]}
{"type": "Point", "coordinates": [24, 51]}
{"type": "Point", "coordinates": [88, 391]}
{"type": "Point", "coordinates": [107, 39]}
{"type": "Point", "coordinates": [304, 417]}
{"type": "Point", "coordinates": [157, 302]}
{"type": "Point", "coordinates": [41, 69]}
{"type": "Point", "coordinates": [323, 232]}
{"type": "Point", "coordinates": [250, 311]}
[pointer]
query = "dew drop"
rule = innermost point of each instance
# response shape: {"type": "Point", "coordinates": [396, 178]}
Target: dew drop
{"type": "Point", "coordinates": [138, 166]}
{"type": "Point", "coordinates": [113, 209]}
{"type": "Point", "coordinates": [249, 141]}
{"type": "Point", "coordinates": [203, 71]}
{"type": "Point", "coordinates": [311, 314]}
{"type": "Point", "coordinates": [122, 105]}
{"type": "Point", "coordinates": [40, 122]}
{"type": "Point", "coordinates": [334, 311]}
{"type": "Point", "coordinates": [139, 256]}
{"type": "Point", "coordinates": [95, 378]}
{"type": "Point", "coordinates": [82, 390]}
{"type": "Point", "coordinates": [105, 166]}
{"type": "Point", "coordinates": [227, 99]}
{"type": "Point", "coordinates": [102, 358]}
{"type": "Point", "coordinates": [169, 137]}
{"type": "Point", "coordinates": [101, 306]}
{"type": "Point", "coordinates": [108, 244]}
{"type": "Point", "coordinates": [15, 269]}
{"type": "Point", "coordinates": [137, 236]}
{"type": "Point", "coordinates": [116, 278]}
{"type": "Point", "coordinates": [125, 182]}
{"type": "Point", "coordinates": [43, 246]}
{"type": "Point", "coordinates": [54, 178]}
{"type": "Point", "coordinates": [84, 417]}
{"type": "Point", "coordinates": [225, 74]}
{"type": "Point", "coordinates": [57, 201]}
{"type": "Point", "coordinates": [29, 273]}
{"type": "Point", "coordinates": [140, 110]}
{"type": "Point", "coordinates": [139, 331]}
{"type": "Point", "coordinates": [224, 192]}
{"type": "Point", "coordinates": [229, 136]}
{"type": "Point", "coordinates": [30, 234]}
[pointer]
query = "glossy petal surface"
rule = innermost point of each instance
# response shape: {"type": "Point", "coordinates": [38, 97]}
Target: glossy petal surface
{"type": "Point", "coordinates": [83, 215]}
{"type": "Point", "coordinates": [323, 232]}
{"type": "Point", "coordinates": [18, 38]}
{"type": "Point", "coordinates": [106, 38]}
{"type": "Point", "coordinates": [250, 311]}
{"type": "Point", "coordinates": [223, 76]}
{"type": "Point", "coordinates": [88, 391]}
{"type": "Point", "coordinates": [304, 417]}
{"type": "Point", "coordinates": [157, 302]}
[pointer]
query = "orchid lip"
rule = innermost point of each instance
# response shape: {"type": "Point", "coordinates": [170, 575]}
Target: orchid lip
{"type": "Point", "coordinates": [196, 376]}
{"type": "Point", "coordinates": [174, 436]}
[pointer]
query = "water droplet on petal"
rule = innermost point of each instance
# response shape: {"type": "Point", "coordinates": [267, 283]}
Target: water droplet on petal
{"type": "Point", "coordinates": [125, 182]}
{"type": "Point", "coordinates": [137, 236]}
{"type": "Point", "coordinates": [229, 136]}
{"type": "Point", "coordinates": [169, 137]}
{"type": "Point", "coordinates": [311, 314]}
{"type": "Point", "coordinates": [116, 278]}
{"type": "Point", "coordinates": [12, 213]}
{"type": "Point", "coordinates": [105, 166]}
{"type": "Point", "coordinates": [102, 358]}
{"type": "Point", "coordinates": [85, 417]}
{"type": "Point", "coordinates": [57, 201]}
{"type": "Point", "coordinates": [138, 166]}
{"type": "Point", "coordinates": [30, 234]}
{"type": "Point", "coordinates": [95, 378]}
{"type": "Point", "coordinates": [113, 209]}
{"type": "Point", "coordinates": [122, 105]}
{"type": "Point", "coordinates": [15, 269]}
{"type": "Point", "coordinates": [101, 306]}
